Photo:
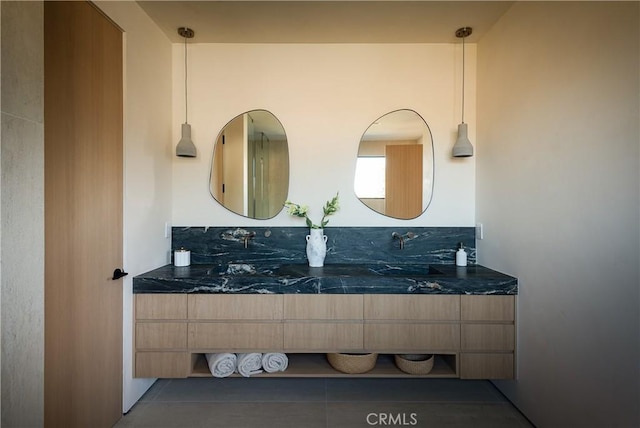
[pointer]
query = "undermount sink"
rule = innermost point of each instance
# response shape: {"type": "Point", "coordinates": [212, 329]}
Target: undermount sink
{"type": "Point", "coordinates": [407, 270]}
{"type": "Point", "coordinates": [333, 270]}
{"type": "Point", "coordinates": [348, 270]}
{"type": "Point", "coordinates": [327, 270]}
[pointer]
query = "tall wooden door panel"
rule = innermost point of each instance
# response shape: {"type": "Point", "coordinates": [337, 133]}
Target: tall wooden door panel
{"type": "Point", "coordinates": [83, 216]}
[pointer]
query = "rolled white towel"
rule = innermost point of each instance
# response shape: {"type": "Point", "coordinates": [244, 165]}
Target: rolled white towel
{"type": "Point", "coordinates": [249, 364]}
{"type": "Point", "coordinates": [274, 362]}
{"type": "Point", "coordinates": [221, 365]}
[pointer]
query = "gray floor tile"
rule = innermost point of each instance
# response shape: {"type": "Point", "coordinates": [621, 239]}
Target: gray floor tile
{"type": "Point", "coordinates": [431, 415]}
{"type": "Point", "coordinates": [225, 415]}
{"type": "Point", "coordinates": [437, 390]}
{"type": "Point", "coordinates": [327, 403]}
{"type": "Point", "coordinates": [155, 389]}
{"type": "Point", "coordinates": [242, 390]}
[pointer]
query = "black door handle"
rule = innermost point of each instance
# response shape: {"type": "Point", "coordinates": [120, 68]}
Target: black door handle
{"type": "Point", "coordinates": [118, 273]}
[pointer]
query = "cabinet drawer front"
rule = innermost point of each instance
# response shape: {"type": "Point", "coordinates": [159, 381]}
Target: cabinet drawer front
{"type": "Point", "coordinates": [323, 337]}
{"type": "Point", "coordinates": [234, 307]}
{"type": "Point", "coordinates": [411, 307]}
{"type": "Point", "coordinates": [162, 364]}
{"type": "Point", "coordinates": [161, 306]}
{"type": "Point", "coordinates": [488, 337]}
{"type": "Point", "coordinates": [411, 337]}
{"type": "Point", "coordinates": [486, 366]}
{"type": "Point", "coordinates": [235, 336]}
{"type": "Point", "coordinates": [487, 308]}
{"type": "Point", "coordinates": [161, 335]}
{"type": "Point", "coordinates": [323, 306]}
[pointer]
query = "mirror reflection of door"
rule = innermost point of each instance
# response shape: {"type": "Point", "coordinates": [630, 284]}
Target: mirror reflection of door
{"type": "Point", "coordinates": [394, 167]}
{"type": "Point", "coordinates": [250, 167]}
{"type": "Point", "coordinates": [403, 180]}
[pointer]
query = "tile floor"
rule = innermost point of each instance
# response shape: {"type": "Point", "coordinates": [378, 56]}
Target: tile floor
{"type": "Point", "coordinates": [326, 403]}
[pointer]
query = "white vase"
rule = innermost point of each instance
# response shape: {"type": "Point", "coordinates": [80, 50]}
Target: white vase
{"type": "Point", "coordinates": [316, 247]}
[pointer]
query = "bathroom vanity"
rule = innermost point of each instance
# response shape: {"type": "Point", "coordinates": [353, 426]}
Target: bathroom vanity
{"type": "Point", "coordinates": [465, 316]}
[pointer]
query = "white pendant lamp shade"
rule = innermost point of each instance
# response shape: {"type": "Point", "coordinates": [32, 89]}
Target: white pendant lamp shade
{"type": "Point", "coordinates": [463, 147]}
{"type": "Point", "coordinates": [185, 147]}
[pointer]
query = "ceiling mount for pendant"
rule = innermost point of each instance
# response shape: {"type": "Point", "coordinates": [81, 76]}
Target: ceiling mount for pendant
{"type": "Point", "coordinates": [185, 32]}
{"type": "Point", "coordinates": [464, 32]}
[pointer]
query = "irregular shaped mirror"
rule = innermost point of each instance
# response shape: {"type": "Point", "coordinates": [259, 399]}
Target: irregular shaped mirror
{"type": "Point", "coordinates": [250, 166]}
{"type": "Point", "coordinates": [394, 168]}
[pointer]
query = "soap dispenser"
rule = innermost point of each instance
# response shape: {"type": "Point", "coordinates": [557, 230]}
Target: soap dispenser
{"type": "Point", "coordinates": [461, 256]}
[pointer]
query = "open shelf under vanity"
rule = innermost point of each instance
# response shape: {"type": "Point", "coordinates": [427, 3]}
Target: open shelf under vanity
{"type": "Point", "coordinates": [316, 365]}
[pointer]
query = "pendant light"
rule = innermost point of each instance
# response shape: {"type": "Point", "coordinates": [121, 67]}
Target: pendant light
{"type": "Point", "coordinates": [185, 147]}
{"type": "Point", "coordinates": [463, 148]}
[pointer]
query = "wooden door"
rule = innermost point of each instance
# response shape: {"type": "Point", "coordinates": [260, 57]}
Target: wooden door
{"type": "Point", "coordinates": [83, 216]}
{"type": "Point", "coordinates": [403, 178]}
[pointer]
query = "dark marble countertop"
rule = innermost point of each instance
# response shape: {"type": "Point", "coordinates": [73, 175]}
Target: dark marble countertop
{"type": "Point", "coordinates": [377, 278]}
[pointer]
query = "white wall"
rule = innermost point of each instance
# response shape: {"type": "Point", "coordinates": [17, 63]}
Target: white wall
{"type": "Point", "coordinates": [325, 96]}
{"type": "Point", "coordinates": [558, 160]}
{"type": "Point", "coordinates": [148, 151]}
{"type": "Point", "coordinates": [22, 208]}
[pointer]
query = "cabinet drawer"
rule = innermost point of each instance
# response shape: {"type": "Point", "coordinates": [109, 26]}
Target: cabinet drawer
{"type": "Point", "coordinates": [234, 307]}
{"type": "Point", "coordinates": [236, 336]}
{"type": "Point", "coordinates": [162, 364]}
{"type": "Point", "coordinates": [323, 337]}
{"type": "Point", "coordinates": [487, 308]}
{"type": "Point", "coordinates": [411, 307]}
{"type": "Point", "coordinates": [161, 306]}
{"type": "Point", "coordinates": [488, 337]}
{"type": "Point", "coordinates": [323, 306]}
{"type": "Point", "coordinates": [411, 337]}
{"type": "Point", "coordinates": [486, 366]}
{"type": "Point", "coordinates": [161, 335]}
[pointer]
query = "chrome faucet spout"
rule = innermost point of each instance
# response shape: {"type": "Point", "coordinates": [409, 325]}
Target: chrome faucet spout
{"type": "Point", "coordinates": [246, 238]}
{"type": "Point", "coordinates": [396, 235]}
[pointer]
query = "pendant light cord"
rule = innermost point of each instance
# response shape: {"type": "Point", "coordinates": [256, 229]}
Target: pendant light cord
{"type": "Point", "coordinates": [185, 83]}
{"type": "Point", "coordinates": [463, 55]}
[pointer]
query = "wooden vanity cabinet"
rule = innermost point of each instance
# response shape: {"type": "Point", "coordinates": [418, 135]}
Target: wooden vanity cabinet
{"type": "Point", "coordinates": [160, 335]}
{"type": "Point", "coordinates": [474, 336]}
{"type": "Point", "coordinates": [234, 323]}
{"type": "Point", "coordinates": [406, 323]}
{"type": "Point", "coordinates": [323, 323]}
{"type": "Point", "coordinates": [487, 347]}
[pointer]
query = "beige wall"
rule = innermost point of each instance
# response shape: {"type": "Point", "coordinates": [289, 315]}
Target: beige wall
{"type": "Point", "coordinates": [325, 96]}
{"type": "Point", "coordinates": [558, 186]}
{"type": "Point", "coordinates": [22, 214]}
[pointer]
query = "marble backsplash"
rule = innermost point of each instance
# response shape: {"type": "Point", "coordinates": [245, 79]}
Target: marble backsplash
{"type": "Point", "coordinates": [274, 246]}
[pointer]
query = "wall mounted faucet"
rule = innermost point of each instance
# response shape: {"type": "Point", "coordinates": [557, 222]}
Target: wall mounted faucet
{"type": "Point", "coordinates": [401, 238]}
{"type": "Point", "coordinates": [246, 238]}
{"type": "Point", "coordinates": [396, 235]}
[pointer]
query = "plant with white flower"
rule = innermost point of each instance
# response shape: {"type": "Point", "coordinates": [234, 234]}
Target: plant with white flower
{"type": "Point", "coordinates": [302, 211]}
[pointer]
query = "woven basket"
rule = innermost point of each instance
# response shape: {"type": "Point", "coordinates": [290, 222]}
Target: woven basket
{"type": "Point", "coordinates": [352, 363]}
{"type": "Point", "coordinates": [416, 364]}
